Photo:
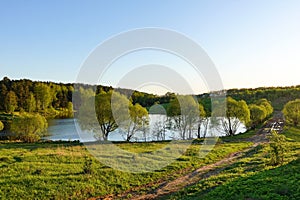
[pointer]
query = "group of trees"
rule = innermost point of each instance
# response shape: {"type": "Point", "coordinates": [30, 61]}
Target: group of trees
{"type": "Point", "coordinates": [237, 112]}
{"type": "Point", "coordinates": [259, 111]}
{"type": "Point", "coordinates": [113, 110]}
{"type": "Point", "coordinates": [49, 99]}
{"type": "Point", "coordinates": [278, 96]}
{"type": "Point", "coordinates": [29, 103]}
{"type": "Point", "coordinates": [184, 114]}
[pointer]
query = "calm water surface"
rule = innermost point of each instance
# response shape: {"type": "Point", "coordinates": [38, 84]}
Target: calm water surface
{"type": "Point", "coordinates": [69, 130]}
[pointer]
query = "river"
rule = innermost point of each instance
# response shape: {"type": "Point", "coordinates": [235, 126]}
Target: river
{"type": "Point", "coordinates": [69, 130]}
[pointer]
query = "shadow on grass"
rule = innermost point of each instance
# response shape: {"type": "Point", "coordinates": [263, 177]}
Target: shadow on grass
{"type": "Point", "coordinates": [278, 183]}
{"type": "Point", "coordinates": [38, 145]}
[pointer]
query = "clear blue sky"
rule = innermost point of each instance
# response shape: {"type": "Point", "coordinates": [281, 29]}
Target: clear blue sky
{"type": "Point", "coordinates": [252, 43]}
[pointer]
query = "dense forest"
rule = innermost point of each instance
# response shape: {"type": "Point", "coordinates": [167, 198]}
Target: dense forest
{"type": "Point", "coordinates": [33, 96]}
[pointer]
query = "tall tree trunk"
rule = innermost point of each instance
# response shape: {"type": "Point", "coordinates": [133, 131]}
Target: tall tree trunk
{"type": "Point", "coordinates": [199, 130]}
{"type": "Point", "coordinates": [229, 127]}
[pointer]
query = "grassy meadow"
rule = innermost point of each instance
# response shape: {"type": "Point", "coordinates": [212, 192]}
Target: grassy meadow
{"type": "Point", "coordinates": [67, 170]}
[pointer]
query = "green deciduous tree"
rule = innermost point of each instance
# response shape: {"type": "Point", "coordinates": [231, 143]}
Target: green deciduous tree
{"type": "Point", "coordinates": [291, 112]}
{"type": "Point", "coordinates": [29, 127]}
{"type": "Point", "coordinates": [236, 112]}
{"type": "Point", "coordinates": [266, 104]}
{"type": "Point", "coordinates": [10, 102]}
{"type": "Point", "coordinates": [110, 109]}
{"type": "Point", "coordinates": [138, 120]}
{"type": "Point", "coordinates": [42, 95]}
{"type": "Point", "coordinates": [260, 111]}
{"type": "Point", "coordinates": [257, 114]}
{"type": "Point", "coordinates": [183, 111]}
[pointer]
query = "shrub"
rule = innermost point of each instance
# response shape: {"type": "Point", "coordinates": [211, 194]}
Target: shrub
{"type": "Point", "coordinates": [277, 148]}
{"type": "Point", "coordinates": [29, 127]}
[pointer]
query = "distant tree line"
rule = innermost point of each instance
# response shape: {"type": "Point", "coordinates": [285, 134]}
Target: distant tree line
{"type": "Point", "coordinates": [278, 96]}
{"type": "Point", "coordinates": [35, 96]}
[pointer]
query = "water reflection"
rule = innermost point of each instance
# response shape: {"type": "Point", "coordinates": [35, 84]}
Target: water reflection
{"type": "Point", "coordinates": [67, 130]}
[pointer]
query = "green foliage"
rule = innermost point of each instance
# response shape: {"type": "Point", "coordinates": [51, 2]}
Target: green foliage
{"type": "Point", "coordinates": [42, 95]}
{"type": "Point", "coordinates": [260, 111]}
{"type": "Point", "coordinates": [30, 103]}
{"type": "Point", "coordinates": [173, 108]}
{"type": "Point", "coordinates": [65, 112]}
{"type": "Point", "coordinates": [1, 126]}
{"type": "Point", "coordinates": [265, 104]}
{"type": "Point", "coordinates": [202, 112]}
{"type": "Point", "coordinates": [70, 109]}
{"type": "Point", "coordinates": [139, 119]}
{"type": "Point", "coordinates": [10, 102]}
{"type": "Point", "coordinates": [238, 109]}
{"type": "Point", "coordinates": [28, 127]}
{"type": "Point", "coordinates": [236, 112]}
{"type": "Point", "coordinates": [32, 96]}
{"type": "Point", "coordinates": [291, 112]}
{"type": "Point", "coordinates": [278, 96]}
{"type": "Point", "coordinates": [111, 108]}
{"type": "Point", "coordinates": [277, 148]}
{"type": "Point", "coordinates": [257, 114]}
{"type": "Point", "coordinates": [184, 112]}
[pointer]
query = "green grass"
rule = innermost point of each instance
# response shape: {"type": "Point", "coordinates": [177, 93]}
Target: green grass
{"type": "Point", "coordinates": [252, 177]}
{"type": "Point", "coordinates": [56, 170]}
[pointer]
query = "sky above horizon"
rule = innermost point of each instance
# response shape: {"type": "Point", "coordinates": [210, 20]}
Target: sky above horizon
{"type": "Point", "coordinates": [252, 43]}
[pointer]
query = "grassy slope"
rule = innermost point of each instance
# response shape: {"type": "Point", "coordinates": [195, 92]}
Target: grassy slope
{"type": "Point", "coordinates": [55, 170]}
{"type": "Point", "coordinates": [252, 178]}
